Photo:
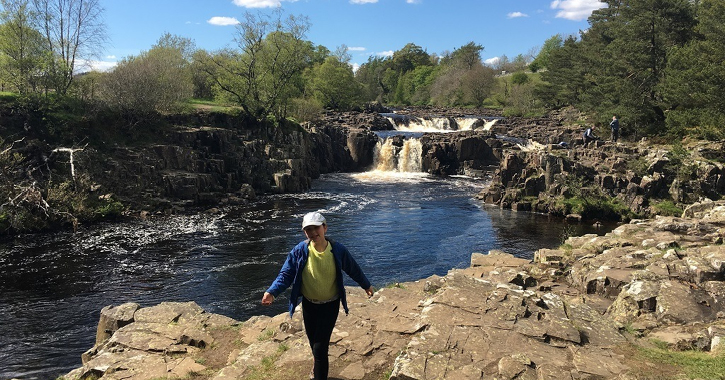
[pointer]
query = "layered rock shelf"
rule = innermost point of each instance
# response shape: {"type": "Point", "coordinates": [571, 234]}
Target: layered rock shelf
{"type": "Point", "coordinates": [572, 313]}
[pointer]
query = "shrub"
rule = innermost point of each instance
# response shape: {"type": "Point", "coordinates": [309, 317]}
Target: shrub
{"type": "Point", "coordinates": [666, 208]}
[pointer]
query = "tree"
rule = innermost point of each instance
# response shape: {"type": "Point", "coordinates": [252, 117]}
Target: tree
{"type": "Point", "coordinates": [465, 57]}
{"type": "Point", "coordinates": [694, 84]}
{"type": "Point", "coordinates": [73, 31]}
{"type": "Point", "coordinates": [478, 84]}
{"type": "Point", "coordinates": [626, 51]}
{"type": "Point", "coordinates": [264, 73]}
{"type": "Point", "coordinates": [564, 81]}
{"type": "Point", "coordinates": [409, 57]}
{"type": "Point", "coordinates": [334, 85]}
{"type": "Point", "coordinates": [21, 46]}
{"type": "Point", "coordinates": [543, 58]}
{"type": "Point", "coordinates": [154, 81]}
{"type": "Point", "coordinates": [370, 75]}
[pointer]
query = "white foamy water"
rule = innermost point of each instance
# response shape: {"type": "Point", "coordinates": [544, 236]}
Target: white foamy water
{"type": "Point", "coordinates": [383, 176]}
{"type": "Point", "coordinates": [391, 158]}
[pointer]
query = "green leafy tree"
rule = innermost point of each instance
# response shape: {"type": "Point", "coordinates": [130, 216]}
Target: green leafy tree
{"type": "Point", "coordinates": [154, 81]}
{"type": "Point", "coordinates": [467, 56]}
{"type": "Point", "coordinates": [543, 58]}
{"type": "Point", "coordinates": [564, 82]}
{"type": "Point", "coordinates": [370, 77]}
{"type": "Point", "coordinates": [264, 73]}
{"type": "Point", "coordinates": [409, 57]}
{"type": "Point", "coordinates": [22, 55]}
{"type": "Point", "coordinates": [462, 79]}
{"type": "Point", "coordinates": [694, 85]}
{"type": "Point", "coordinates": [334, 84]}
{"type": "Point", "coordinates": [618, 64]}
{"type": "Point", "coordinates": [626, 48]}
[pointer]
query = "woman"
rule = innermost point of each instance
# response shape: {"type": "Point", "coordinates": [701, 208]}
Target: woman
{"type": "Point", "coordinates": [314, 269]}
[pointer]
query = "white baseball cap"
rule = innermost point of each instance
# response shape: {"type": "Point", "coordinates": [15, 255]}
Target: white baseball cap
{"type": "Point", "coordinates": [313, 219]}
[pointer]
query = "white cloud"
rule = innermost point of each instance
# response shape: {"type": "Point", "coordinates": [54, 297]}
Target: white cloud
{"type": "Point", "coordinates": [356, 48]}
{"type": "Point", "coordinates": [576, 10]}
{"type": "Point", "coordinates": [413, 1]}
{"type": "Point", "coordinates": [492, 61]}
{"type": "Point", "coordinates": [517, 15]}
{"type": "Point", "coordinates": [223, 21]}
{"type": "Point", "coordinates": [388, 53]}
{"type": "Point", "coordinates": [355, 66]}
{"type": "Point", "coordinates": [363, 1]}
{"type": "Point", "coordinates": [83, 65]}
{"type": "Point", "coordinates": [260, 3]}
{"type": "Point", "coordinates": [110, 57]}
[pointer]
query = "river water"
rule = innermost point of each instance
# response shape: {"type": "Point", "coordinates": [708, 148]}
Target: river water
{"type": "Point", "coordinates": [400, 224]}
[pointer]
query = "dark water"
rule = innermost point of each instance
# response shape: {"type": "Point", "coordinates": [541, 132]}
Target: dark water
{"type": "Point", "coordinates": [399, 227]}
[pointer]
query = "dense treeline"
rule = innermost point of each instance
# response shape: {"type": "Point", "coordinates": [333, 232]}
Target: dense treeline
{"type": "Point", "coordinates": [270, 70]}
{"type": "Point", "coordinates": [658, 64]}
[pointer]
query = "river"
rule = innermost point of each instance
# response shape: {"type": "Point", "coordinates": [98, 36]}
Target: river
{"type": "Point", "coordinates": [400, 224]}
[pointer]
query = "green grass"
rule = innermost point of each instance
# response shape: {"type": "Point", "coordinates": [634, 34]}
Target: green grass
{"type": "Point", "coordinates": [693, 364]}
{"type": "Point", "coordinates": [210, 105]}
{"type": "Point", "coordinates": [666, 208]}
{"type": "Point", "coordinates": [265, 335]}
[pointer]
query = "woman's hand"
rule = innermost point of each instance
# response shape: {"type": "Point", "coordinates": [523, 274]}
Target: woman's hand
{"type": "Point", "coordinates": [370, 291]}
{"type": "Point", "coordinates": [267, 299]}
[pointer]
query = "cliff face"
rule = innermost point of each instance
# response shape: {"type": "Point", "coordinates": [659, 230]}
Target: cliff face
{"type": "Point", "coordinates": [206, 165]}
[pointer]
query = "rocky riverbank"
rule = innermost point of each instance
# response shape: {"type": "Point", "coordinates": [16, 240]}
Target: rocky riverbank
{"type": "Point", "coordinates": [214, 160]}
{"type": "Point", "coordinates": [588, 310]}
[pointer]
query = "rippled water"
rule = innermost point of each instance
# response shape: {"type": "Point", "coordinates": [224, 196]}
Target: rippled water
{"type": "Point", "coordinates": [400, 227]}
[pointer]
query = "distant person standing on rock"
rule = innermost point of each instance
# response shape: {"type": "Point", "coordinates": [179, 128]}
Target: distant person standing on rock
{"type": "Point", "coordinates": [614, 124]}
{"type": "Point", "coordinates": [314, 270]}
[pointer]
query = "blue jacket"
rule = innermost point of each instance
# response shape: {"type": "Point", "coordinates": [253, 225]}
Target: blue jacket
{"type": "Point", "coordinates": [291, 273]}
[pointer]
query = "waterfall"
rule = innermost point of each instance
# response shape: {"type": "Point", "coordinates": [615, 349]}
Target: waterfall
{"type": "Point", "coordinates": [467, 123]}
{"type": "Point", "coordinates": [393, 158]}
{"type": "Point", "coordinates": [406, 123]}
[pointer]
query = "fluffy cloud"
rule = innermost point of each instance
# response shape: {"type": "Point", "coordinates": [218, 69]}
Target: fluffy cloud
{"type": "Point", "coordinates": [356, 48]}
{"type": "Point", "coordinates": [223, 21]}
{"type": "Point", "coordinates": [260, 3]}
{"type": "Point", "coordinates": [517, 15]}
{"type": "Point", "coordinates": [363, 1]}
{"type": "Point", "coordinates": [388, 53]}
{"type": "Point", "coordinates": [576, 10]}
{"type": "Point", "coordinates": [492, 61]}
{"type": "Point", "coordinates": [83, 65]}
{"type": "Point", "coordinates": [413, 1]}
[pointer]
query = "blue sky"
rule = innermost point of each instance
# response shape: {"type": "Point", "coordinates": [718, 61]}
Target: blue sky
{"type": "Point", "coordinates": [366, 27]}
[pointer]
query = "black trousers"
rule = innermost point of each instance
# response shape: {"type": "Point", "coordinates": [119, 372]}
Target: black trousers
{"type": "Point", "coordinates": [319, 321]}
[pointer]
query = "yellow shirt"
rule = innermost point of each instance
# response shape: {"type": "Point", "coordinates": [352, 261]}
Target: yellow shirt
{"type": "Point", "coordinates": [318, 277]}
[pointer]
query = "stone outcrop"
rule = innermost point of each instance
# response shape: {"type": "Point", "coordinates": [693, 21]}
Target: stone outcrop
{"type": "Point", "coordinates": [537, 176]}
{"type": "Point", "coordinates": [470, 153]}
{"type": "Point", "coordinates": [212, 165]}
{"type": "Point", "coordinates": [568, 314]}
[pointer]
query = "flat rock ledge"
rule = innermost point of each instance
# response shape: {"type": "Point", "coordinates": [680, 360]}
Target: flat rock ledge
{"type": "Point", "coordinates": [564, 315]}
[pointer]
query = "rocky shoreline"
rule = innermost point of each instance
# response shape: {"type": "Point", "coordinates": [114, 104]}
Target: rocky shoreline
{"type": "Point", "coordinates": [578, 312]}
{"type": "Point", "coordinates": [213, 160]}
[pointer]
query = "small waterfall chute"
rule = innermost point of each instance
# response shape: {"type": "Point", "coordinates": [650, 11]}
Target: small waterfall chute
{"type": "Point", "coordinates": [392, 157]}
